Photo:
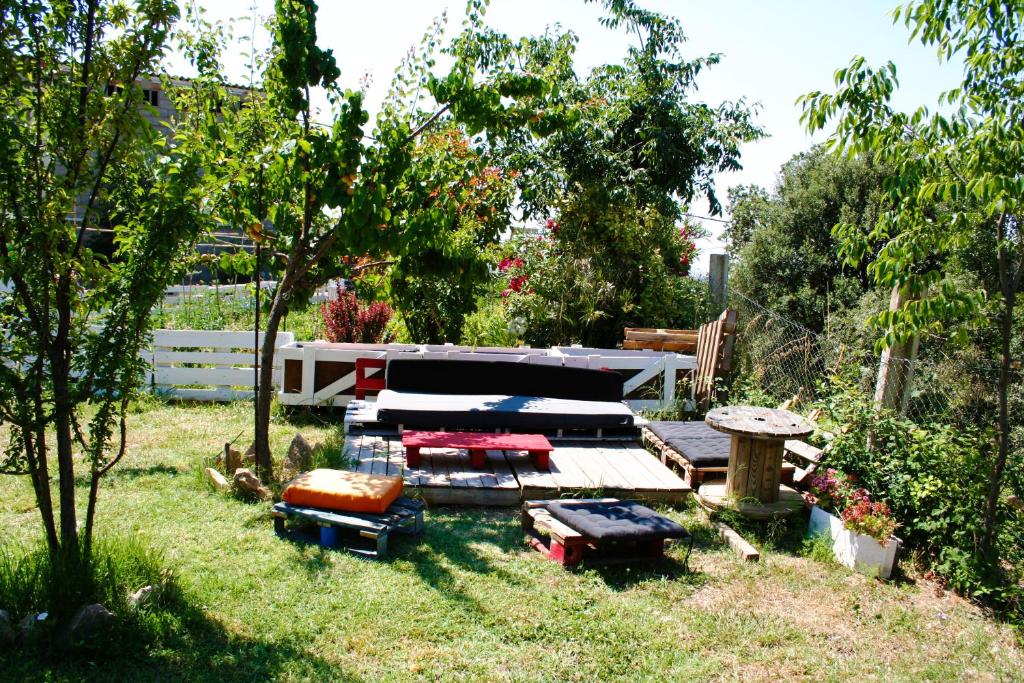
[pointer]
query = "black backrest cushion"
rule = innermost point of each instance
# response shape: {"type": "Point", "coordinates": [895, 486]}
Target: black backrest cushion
{"type": "Point", "coordinates": [440, 376]}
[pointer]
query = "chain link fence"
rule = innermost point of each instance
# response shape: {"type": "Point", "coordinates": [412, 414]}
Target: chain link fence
{"type": "Point", "coordinates": [777, 358]}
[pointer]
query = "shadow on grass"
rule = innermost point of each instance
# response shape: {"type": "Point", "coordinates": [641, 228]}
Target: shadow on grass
{"type": "Point", "coordinates": [172, 639]}
{"type": "Point", "coordinates": [126, 472]}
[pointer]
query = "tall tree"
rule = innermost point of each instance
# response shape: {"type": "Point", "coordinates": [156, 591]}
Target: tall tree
{"type": "Point", "coordinates": [77, 152]}
{"type": "Point", "coordinates": [632, 148]}
{"type": "Point", "coordinates": [783, 243]}
{"type": "Point", "coordinates": [313, 194]}
{"type": "Point", "coordinates": [957, 181]}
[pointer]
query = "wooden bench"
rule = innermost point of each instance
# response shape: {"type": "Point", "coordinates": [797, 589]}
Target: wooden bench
{"type": "Point", "coordinates": [478, 443]}
{"type": "Point", "coordinates": [403, 516]}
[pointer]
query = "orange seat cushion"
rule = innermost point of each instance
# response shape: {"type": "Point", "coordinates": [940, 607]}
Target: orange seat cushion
{"type": "Point", "coordinates": [347, 491]}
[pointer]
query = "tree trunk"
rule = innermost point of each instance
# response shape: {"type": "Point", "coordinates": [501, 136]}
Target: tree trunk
{"type": "Point", "coordinates": [61, 370]}
{"type": "Point", "coordinates": [995, 484]}
{"type": "Point", "coordinates": [265, 389]}
{"type": "Point", "coordinates": [896, 368]}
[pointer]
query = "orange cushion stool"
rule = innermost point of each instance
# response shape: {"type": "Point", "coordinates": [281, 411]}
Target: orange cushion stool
{"type": "Point", "coordinates": [341, 490]}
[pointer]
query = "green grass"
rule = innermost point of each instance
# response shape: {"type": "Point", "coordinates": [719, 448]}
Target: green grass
{"type": "Point", "coordinates": [469, 601]}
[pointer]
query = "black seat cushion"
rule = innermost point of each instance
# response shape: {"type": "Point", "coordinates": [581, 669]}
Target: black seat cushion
{"type": "Point", "coordinates": [622, 520]}
{"type": "Point", "coordinates": [493, 411]}
{"type": "Point", "coordinates": [442, 376]}
{"type": "Point", "coordinates": [701, 445]}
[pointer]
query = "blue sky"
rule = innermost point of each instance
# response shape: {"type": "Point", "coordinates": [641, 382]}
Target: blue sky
{"type": "Point", "coordinates": [773, 51]}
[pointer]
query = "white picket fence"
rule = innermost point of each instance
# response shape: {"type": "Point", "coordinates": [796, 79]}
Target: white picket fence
{"type": "Point", "coordinates": [220, 365]}
{"type": "Point", "coordinates": [207, 365]}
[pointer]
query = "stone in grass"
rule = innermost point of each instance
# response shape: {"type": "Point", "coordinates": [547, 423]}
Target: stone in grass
{"type": "Point", "coordinates": [7, 632]}
{"type": "Point", "coordinates": [217, 479]}
{"type": "Point", "coordinates": [248, 485]}
{"type": "Point", "coordinates": [30, 627]}
{"type": "Point", "coordinates": [141, 597]}
{"type": "Point", "coordinates": [232, 459]}
{"type": "Point", "coordinates": [298, 459]}
{"type": "Point", "coordinates": [88, 622]}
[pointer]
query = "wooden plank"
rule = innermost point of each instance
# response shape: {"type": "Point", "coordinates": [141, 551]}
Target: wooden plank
{"type": "Point", "coordinates": [804, 450]}
{"type": "Point", "coordinates": [396, 459]}
{"type": "Point", "coordinates": [634, 461]}
{"type": "Point", "coordinates": [528, 476]}
{"type": "Point", "coordinates": [221, 339]}
{"type": "Point", "coordinates": [229, 377]}
{"type": "Point", "coordinates": [207, 357]}
{"type": "Point", "coordinates": [565, 472]}
{"type": "Point", "coordinates": [666, 479]}
{"type": "Point", "coordinates": [615, 474]}
{"type": "Point", "coordinates": [744, 550]}
{"type": "Point", "coordinates": [504, 478]}
{"type": "Point", "coordinates": [364, 455]}
{"type": "Point", "coordinates": [221, 394]}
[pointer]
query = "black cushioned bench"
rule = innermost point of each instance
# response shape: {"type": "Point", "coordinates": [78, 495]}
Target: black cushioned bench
{"type": "Point", "coordinates": [602, 530]}
{"type": "Point", "coordinates": [429, 393]}
{"type": "Point", "coordinates": [696, 448]}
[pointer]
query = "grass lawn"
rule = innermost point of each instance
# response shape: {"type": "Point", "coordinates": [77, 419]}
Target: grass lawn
{"type": "Point", "coordinates": [469, 601]}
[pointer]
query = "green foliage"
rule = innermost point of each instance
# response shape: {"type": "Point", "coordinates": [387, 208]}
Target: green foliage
{"type": "Point", "coordinates": [631, 148]}
{"type": "Point", "coordinates": [783, 243]}
{"type": "Point", "coordinates": [75, 320]}
{"type": "Point", "coordinates": [935, 480]}
{"type": "Point", "coordinates": [487, 325]}
{"type": "Point", "coordinates": [436, 287]}
{"type": "Point", "coordinates": [956, 186]}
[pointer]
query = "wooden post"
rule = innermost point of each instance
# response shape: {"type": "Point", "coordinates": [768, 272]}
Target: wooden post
{"type": "Point", "coordinates": [718, 281]}
{"type": "Point", "coordinates": [896, 369]}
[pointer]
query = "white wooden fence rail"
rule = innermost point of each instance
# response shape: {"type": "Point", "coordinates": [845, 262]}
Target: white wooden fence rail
{"type": "Point", "coordinates": [206, 365]}
{"type": "Point", "coordinates": [219, 366]}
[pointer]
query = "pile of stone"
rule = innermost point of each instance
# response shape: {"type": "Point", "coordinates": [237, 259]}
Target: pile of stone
{"type": "Point", "coordinates": [239, 467]}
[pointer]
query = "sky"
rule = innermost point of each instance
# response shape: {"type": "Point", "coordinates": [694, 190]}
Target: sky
{"type": "Point", "coordinates": [772, 51]}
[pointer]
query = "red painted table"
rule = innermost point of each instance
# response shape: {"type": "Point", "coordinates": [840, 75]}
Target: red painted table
{"type": "Point", "coordinates": [478, 443]}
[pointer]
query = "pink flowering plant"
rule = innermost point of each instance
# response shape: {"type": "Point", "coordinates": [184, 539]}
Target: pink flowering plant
{"type": "Point", "coordinates": [839, 493]}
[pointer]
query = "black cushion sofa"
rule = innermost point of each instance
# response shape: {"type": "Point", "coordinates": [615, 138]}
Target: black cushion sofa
{"type": "Point", "coordinates": [441, 393]}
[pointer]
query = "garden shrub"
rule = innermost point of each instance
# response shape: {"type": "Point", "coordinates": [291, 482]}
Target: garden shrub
{"type": "Point", "coordinates": [347, 320]}
{"type": "Point", "coordinates": [934, 478]}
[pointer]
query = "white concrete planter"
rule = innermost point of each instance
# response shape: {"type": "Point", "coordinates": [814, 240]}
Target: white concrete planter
{"type": "Point", "coordinates": [856, 551]}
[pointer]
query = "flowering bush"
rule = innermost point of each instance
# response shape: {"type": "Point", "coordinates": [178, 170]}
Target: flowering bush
{"type": "Point", "coordinates": [346, 320]}
{"type": "Point", "coordinates": [836, 491]}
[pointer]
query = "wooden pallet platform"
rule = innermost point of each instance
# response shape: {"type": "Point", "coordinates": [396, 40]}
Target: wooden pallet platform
{"type": "Point", "coordinates": [446, 477]}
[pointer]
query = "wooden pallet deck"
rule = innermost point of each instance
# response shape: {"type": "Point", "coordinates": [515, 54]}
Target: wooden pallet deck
{"type": "Point", "coordinates": [444, 477]}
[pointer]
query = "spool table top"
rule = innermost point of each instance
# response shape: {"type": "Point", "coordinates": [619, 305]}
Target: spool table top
{"type": "Point", "coordinates": [759, 423]}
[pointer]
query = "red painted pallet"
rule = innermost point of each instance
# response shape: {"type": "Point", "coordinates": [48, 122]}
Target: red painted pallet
{"type": "Point", "coordinates": [365, 383]}
{"type": "Point", "coordinates": [478, 443]}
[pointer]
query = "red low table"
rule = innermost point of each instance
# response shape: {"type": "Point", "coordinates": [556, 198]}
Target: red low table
{"type": "Point", "coordinates": [478, 443]}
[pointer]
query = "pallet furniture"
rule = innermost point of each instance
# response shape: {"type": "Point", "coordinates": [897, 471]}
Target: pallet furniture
{"type": "Point", "coordinates": [714, 357]}
{"type": "Point", "coordinates": [660, 339]}
{"type": "Point", "coordinates": [698, 451]}
{"type": "Point", "coordinates": [560, 542]}
{"type": "Point", "coordinates": [576, 468]}
{"type": "Point", "coordinates": [366, 383]}
{"type": "Point", "coordinates": [753, 481]}
{"type": "Point", "coordinates": [477, 443]}
{"type": "Point", "coordinates": [404, 516]}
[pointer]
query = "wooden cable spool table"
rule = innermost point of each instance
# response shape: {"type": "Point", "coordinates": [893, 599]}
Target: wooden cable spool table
{"type": "Point", "coordinates": [752, 486]}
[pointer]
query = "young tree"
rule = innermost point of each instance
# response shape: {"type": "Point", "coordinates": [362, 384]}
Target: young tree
{"type": "Point", "coordinates": [957, 184]}
{"type": "Point", "coordinates": [74, 143]}
{"type": "Point", "coordinates": [315, 194]}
